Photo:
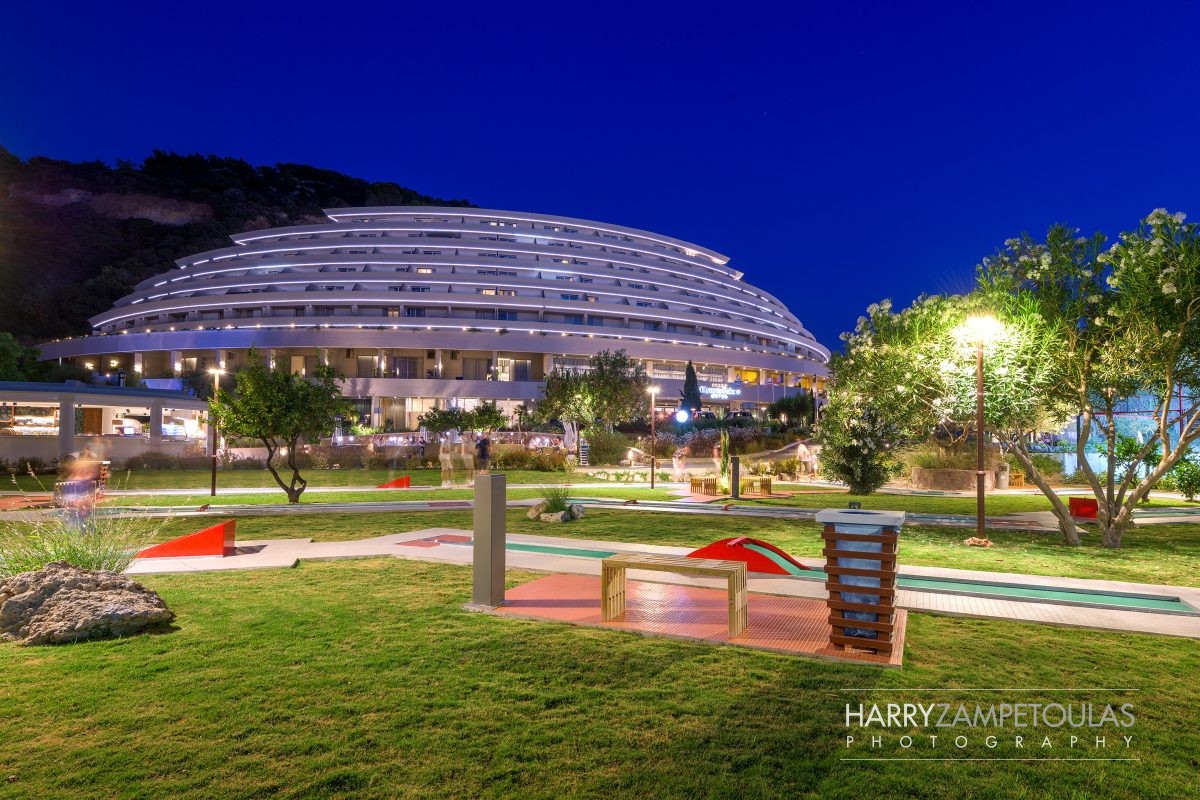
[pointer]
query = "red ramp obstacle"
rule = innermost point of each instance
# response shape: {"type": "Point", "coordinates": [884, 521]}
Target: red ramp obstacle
{"type": "Point", "coordinates": [214, 541]}
{"type": "Point", "coordinates": [759, 556]}
{"type": "Point", "coordinates": [1083, 507]}
{"type": "Point", "coordinates": [400, 483]}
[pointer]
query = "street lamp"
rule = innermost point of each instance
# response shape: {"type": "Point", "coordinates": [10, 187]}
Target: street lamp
{"type": "Point", "coordinates": [653, 392]}
{"type": "Point", "coordinates": [216, 372]}
{"type": "Point", "coordinates": [979, 330]}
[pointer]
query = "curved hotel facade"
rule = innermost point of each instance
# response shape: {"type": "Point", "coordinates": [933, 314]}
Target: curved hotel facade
{"type": "Point", "coordinates": [450, 306]}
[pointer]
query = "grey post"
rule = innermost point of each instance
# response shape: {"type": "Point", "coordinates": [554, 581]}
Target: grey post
{"type": "Point", "coordinates": [735, 476]}
{"type": "Point", "coordinates": [488, 550]}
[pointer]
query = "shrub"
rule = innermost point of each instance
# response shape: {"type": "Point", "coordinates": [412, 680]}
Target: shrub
{"type": "Point", "coordinates": [549, 461]}
{"type": "Point", "coordinates": [664, 445]}
{"type": "Point", "coordinates": [1186, 476]}
{"type": "Point", "coordinates": [100, 542]}
{"type": "Point", "coordinates": [606, 447]}
{"type": "Point", "coordinates": [374, 459]}
{"type": "Point", "coordinates": [556, 499]}
{"type": "Point", "coordinates": [164, 461]}
{"type": "Point", "coordinates": [511, 456]}
{"type": "Point", "coordinates": [1047, 465]}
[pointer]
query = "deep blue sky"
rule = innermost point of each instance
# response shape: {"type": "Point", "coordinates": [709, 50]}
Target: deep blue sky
{"type": "Point", "coordinates": [839, 153]}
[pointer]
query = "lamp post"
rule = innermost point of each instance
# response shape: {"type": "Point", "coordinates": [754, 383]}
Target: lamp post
{"type": "Point", "coordinates": [979, 330]}
{"type": "Point", "coordinates": [653, 391]}
{"type": "Point", "coordinates": [216, 372]}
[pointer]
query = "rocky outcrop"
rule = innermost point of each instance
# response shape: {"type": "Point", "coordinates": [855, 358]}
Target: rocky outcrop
{"type": "Point", "coordinates": [538, 512]}
{"type": "Point", "coordinates": [60, 603]}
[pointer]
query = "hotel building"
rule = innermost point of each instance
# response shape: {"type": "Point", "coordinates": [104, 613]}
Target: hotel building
{"type": "Point", "coordinates": [421, 307]}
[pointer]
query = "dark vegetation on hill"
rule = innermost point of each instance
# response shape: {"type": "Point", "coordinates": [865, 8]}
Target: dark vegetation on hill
{"type": "Point", "coordinates": [74, 237]}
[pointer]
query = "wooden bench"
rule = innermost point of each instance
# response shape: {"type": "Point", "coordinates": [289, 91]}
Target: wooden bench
{"type": "Point", "coordinates": [612, 582]}
{"type": "Point", "coordinates": [704, 486]}
{"type": "Point", "coordinates": [757, 484]}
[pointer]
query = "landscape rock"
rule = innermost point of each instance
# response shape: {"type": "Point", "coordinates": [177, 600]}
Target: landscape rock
{"type": "Point", "coordinates": [557, 516]}
{"type": "Point", "coordinates": [576, 511]}
{"type": "Point", "coordinates": [535, 511]}
{"type": "Point", "coordinates": [60, 603]}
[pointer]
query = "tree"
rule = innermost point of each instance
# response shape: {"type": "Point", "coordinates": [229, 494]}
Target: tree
{"type": "Point", "coordinates": [690, 394]}
{"type": "Point", "coordinates": [798, 408]}
{"type": "Point", "coordinates": [15, 358]}
{"type": "Point", "coordinates": [486, 416]}
{"type": "Point", "coordinates": [569, 397]}
{"type": "Point", "coordinates": [612, 389]}
{"type": "Point", "coordinates": [281, 409]}
{"type": "Point", "coordinates": [440, 420]}
{"type": "Point", "coordinates": [909, 376]}
{"type": "Point", "coordinates": [1114, 325]}
{"type": "Point", "coordinates": [618, 387]}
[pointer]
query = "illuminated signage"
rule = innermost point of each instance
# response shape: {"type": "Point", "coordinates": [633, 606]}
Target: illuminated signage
{"type": "Point", "coordinates": [720, 391]}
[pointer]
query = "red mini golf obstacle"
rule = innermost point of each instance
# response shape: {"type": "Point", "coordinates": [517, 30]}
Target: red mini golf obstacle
{"type": "Point", "coordinates": [404, 482]}
{"type": "Point", "coordinates": [1083, 507]}
{"type": "Point", "coordinates": [759, 556]}
{"type": "Point", "coordinates": [215, 541]}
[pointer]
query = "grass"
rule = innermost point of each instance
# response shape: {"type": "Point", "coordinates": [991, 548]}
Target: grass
{"type": "Point", "coordinates": [191, 501]}
{"type": "Point", "coordinates": [995, 504]}
{"type": "Point", "coordinates": [1164, 554]}
{"type": "Point", "coordinates": [367, 679]}
{"type": "Point", "coordinates": [260, 478]}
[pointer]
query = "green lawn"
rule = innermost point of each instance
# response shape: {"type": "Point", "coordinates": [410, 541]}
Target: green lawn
{"type": "Point", "coordinates": [995, 504]}
{"type": "Point", "coordinates": [1165, 554]}
{"type": "Point", "coordinates": [258, 478]}
{"type": "Point", "coordinates": [367, 679]}
{"type": "Point", "coordinates": [190, 501]}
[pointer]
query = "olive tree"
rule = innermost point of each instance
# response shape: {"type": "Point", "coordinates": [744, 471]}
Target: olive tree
{"type": "Point", "coordinates": [1112, 325]}
{"type": "Point", "coordinates": [281, 409]}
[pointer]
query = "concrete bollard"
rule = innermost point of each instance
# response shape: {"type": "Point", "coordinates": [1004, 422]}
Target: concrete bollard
{"type": "Point", "coordinates": [489, 540]}
{"type": "Point", "coordinates": [735, 477]}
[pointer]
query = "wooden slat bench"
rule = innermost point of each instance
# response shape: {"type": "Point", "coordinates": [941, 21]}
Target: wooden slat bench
{"type": "Point", "coordinates": [704, 486]}
{"type": "Point", "coordinates": [612, 582]}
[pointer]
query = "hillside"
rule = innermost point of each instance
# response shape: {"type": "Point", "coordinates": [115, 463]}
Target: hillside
{"type": "Point", "coordinates": [76, 236]}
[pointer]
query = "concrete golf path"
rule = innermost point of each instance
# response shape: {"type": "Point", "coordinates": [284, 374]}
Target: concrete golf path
{"type": "Point", "coordinates": [583, 557]}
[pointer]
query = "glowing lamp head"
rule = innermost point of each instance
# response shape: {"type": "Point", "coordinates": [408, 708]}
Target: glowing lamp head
{"type": "Point", "coordinates": [980, 328]}
{"type": "Point", "coordinates": [682, 416]}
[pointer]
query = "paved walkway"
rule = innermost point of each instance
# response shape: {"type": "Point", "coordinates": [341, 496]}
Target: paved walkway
{"type": "Point", "coordinates": [419, 545]}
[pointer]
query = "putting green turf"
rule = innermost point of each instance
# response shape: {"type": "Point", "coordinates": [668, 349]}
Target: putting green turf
{"type": "Point", "coordinates": [1065, 596]}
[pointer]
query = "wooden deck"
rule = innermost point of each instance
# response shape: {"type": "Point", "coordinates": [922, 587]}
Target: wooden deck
{"type": "Point", "coordinates": [792, 625]}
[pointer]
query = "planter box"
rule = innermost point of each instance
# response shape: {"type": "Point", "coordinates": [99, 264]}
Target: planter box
{"type": "Point", "coordinates": [961, 480]}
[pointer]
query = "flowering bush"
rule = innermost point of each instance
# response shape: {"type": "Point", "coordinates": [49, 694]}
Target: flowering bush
{"type": "Point", "coordinates": [857, 445]}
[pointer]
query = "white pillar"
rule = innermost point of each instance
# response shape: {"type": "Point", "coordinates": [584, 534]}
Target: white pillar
{"type": "Point", "coordinates": [138, 366]}
{"type": "Point", "coordinates": [177, 361]}
{"type": "Point", "coordinates": [66, 424]}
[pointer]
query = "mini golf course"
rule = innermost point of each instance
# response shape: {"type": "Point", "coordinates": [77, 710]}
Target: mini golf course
{"type": "Point", "coordinates": [1162, 604]}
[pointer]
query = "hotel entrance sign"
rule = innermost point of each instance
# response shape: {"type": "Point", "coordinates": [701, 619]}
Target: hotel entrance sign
{"type": "Point", "coordinates": [720, 391]}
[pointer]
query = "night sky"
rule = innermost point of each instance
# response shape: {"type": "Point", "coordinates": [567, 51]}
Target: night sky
{"type": "Point", "coordinates": [839, 153]}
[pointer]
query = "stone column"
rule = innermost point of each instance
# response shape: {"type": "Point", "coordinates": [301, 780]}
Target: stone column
{"type": "Point", "coordinates": [156, 415]}
{"type": "Point", "coordinates": [66, 424]}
